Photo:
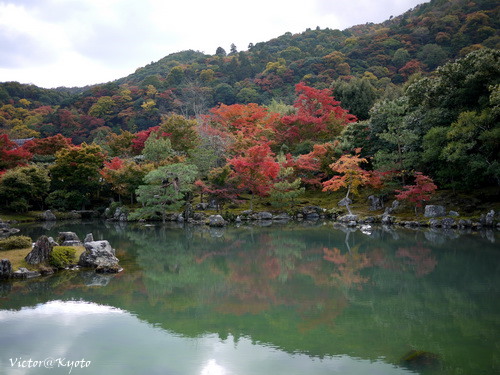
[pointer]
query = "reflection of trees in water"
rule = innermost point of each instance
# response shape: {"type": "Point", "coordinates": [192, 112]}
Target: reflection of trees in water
{"type": "Point", "coordinates": [275, 286]}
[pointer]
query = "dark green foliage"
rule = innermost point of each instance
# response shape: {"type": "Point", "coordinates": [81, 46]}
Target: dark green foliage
{"type": "Point", "coordinates": [23, 188]}
{"type": "Point", "coordinates": [62, 256]}
{"type": "Point", "coordinates": [16, 242]}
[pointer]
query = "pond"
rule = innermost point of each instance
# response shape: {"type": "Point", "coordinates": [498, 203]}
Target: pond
{"type": "Point", "coordinates": [307, 298]}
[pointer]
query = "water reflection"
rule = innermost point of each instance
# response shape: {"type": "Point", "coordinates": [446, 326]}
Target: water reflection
{"type": "Point", "coordinates": [310, 292]}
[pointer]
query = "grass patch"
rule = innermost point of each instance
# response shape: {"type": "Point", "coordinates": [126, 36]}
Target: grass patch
{"type": "Point", "coordinates": [17, 256]}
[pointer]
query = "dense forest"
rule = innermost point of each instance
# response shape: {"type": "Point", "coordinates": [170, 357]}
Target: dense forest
{"type": "Point", "coordinates": [403, 106]}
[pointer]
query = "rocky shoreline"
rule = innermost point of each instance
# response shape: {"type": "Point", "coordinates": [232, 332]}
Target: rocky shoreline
{"type": "Point", "coordinates": [98, 255]}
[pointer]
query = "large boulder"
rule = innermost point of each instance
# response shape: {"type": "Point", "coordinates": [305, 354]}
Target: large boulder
{"type": "Point", "coordinates": [487, 220]}
{"type": "Point", "coordinates": [40, 252]}
{"type": "Point", "coordinates": [5, 269]}
{"type": "Point", "coordinates": [216, 221]}
{"type": "Point", "coordinates": [376, 203]}
{"type": "Point", "coordinates": [48, 216]}
{"type": "Point", "coordinates": [101, 256]}
{"type": "Point", "coordinates": [69, 239]}
{"type": "Point", "coordinates": [434, 211]}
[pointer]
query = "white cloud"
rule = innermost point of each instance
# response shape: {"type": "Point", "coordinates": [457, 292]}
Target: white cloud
{"type": "Point", "coordinates": [78, 42]}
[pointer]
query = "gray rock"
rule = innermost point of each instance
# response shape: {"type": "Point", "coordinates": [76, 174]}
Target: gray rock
{"type": "Point", "coordinates": [376, 203]}
{"type": "Point", "coordinates": [453, 213]}
{"type": "Point", "coordinates": [88, 238]}
{"type": "Point", "coordinates": [6, 230]}
{"type": "Point", "coordinates": [216, 221]}
{"type": "Point", "coordinates": [387, 219]}
{"type": "Point", "coordinates": [487, 220]}
{"type": "Point", "coordinates": [120, 215]}
{"type": "Point", "coordinates": [69, 239]}
{"type": "Point", "coordinates": [24, 273]}
{"type": "Point", "coordinates": [202, 206]}
{"type": "Point", "coordinates": [434, 211]}
{"type": "Point", "coordinates": [345, 202]}
{"type": "Point", "coordinates": [199, 216]}
{"type": "Point", "coordinates": [282, 217]}
{"type": "Point", "coordinates": [352, 223]}
{"type": "Point", "coordinates": [48, 216]}
{"type": "Point", "coordinates": [99, 255]}
{"type": "Point", "coordinates": [40, 252]}
{"type": "Point", "coordinates": [448, 223]}
{"type": "Point", "coordinates": [52, 242]}
{"type": "Point", "coordinates": [263, 215]}
{"type": "Point", "coordinates": [5, 269]}
{"type": "Point", "coordinates": [348, 218]}
{"type": "Point", "coordinates": [434, 223]}
{"type": "Point", "coordinates": [411, 224]}
{"type": "Point", "coordinates": [464, 223]}
{"type": "Point", "coordinates": [368, 220]}
{"type": "Point", "coordinates": [394, 207]}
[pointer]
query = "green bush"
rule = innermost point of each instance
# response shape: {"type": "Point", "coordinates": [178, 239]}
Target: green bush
{"type": "Point", "coordinates": [62, 256]}
{"type": "Point", "coordinates": [15, 242]}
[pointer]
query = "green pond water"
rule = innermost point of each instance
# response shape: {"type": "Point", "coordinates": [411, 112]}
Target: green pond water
{"type": "Point", "coordinates": [283, 299]}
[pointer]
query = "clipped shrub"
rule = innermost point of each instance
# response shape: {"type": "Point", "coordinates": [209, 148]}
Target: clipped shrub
{"type": "Point", "coordinates": [62, 256]}
{"type": "Point", "coordinates": [15, 242]}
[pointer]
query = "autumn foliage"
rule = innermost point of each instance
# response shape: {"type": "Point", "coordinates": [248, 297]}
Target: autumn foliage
{"type": "Point", "coordinates": [420, 192]}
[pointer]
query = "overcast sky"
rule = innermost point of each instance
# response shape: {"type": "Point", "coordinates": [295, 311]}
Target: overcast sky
{"type": "Point", "coordinates": [54, 43]}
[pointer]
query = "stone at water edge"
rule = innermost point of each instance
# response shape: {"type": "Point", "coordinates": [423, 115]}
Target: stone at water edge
{"type": "Point", "coordinates": [69, 239]}
{"type": "Point", "coordinates": [88, 238]}
{"type": "Point", "coordinates": [99, 255]}
{"type": "Point", "coordinates": [48, 216]}
{"type": "Point", "coordinates": [216, 221]}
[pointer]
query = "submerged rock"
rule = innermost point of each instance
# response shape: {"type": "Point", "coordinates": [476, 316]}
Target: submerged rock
{"type": "Point", "coordinates": [420, 360]}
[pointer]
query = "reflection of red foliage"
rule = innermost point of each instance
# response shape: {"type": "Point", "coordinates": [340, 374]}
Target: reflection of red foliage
{"type": "Point", "coordinates": [348, 266]}
{"type": "Point", "coordinates": [420, 257]}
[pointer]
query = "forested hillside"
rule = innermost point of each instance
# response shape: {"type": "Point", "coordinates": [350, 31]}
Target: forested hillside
{"type": "Point", "coordinates": [417, 95]}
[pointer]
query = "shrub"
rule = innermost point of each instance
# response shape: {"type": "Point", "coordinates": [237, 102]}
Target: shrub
{"type": "Point", "coordinates": [62, 256]}
{"type": "Point", "coordinates": [15, 242]}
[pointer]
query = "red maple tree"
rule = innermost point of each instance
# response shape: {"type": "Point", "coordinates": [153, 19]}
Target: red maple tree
{"type": "Point", "coordinates": [421, 192]}
{"type": "Point", "coordinates": [255, 170]}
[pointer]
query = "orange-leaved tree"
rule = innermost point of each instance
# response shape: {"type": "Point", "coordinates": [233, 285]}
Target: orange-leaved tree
{"type": "Point", "coordinates": [350, 176]}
